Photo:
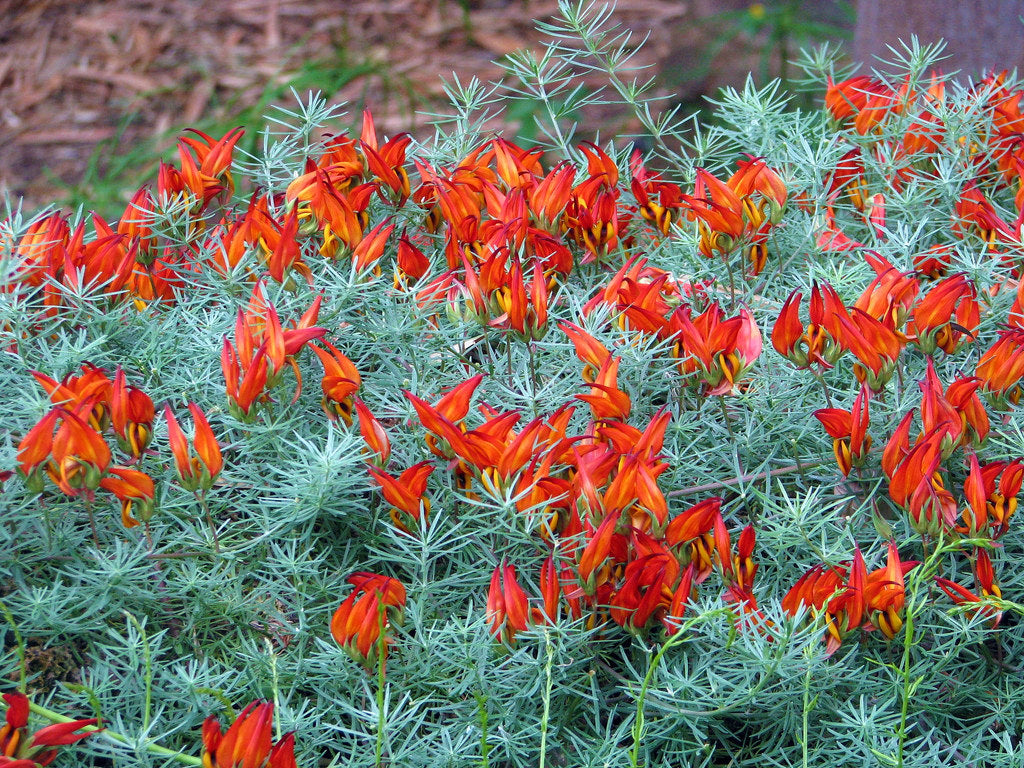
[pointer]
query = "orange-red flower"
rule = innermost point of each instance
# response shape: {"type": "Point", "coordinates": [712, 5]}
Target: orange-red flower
{"type": "Point", "coordinates": [285, 254]}
{"type": "Point", "coordinates": [1002, 365]}
{"type": "Point", "coordinates": [974, 213]}
{"type": "Point", "coordinates": [199, 471]}
{"type": "Point", "coordinates": [647, 589]}
{"type": "Point", "coordinates": [915, 482]}
{"type": "Point", "coordinates": [874, 344]}
{"type": "Point", "coordinates": [131, 416]}
{"type": "Point", "coordinates": [21, 749]}
{"type": "Point", "coordinates": [719, 350]}
{"type": "Point", "coordinates": [810, 345]}
{"type": "Point", "coordinates": [835, 593]}
{"type": "Point", "coordinates": [360, 623]}
{"type": "Point", "coordinates": [696, 535]}
{"type": "Point", "coordinates": [341, 380]}
{"type": "Point", "coordinates": [508, 610]}
{"type": "Point", "coordinates": [848, 430]}
{"type": "Point", "coordinates": [890, 295]}
{"type": "Point", "coordinates": [92, 384]}
{"type": "Point", "coordinates": [740, 211]}
{"type": "Point", "coordinates": [407, 495]}
{"type": "Point", "coordinates": [885, 593]}
{"type": "Point", "coordinates": [79, 454]}
{"type": "Point", "coordinates": [588, 349]}
{"type": "Point", "coordinates": [741, 575]}
{"type": "Point", "coordinates": [34, 449]}
{"type": "Point", "coordinates": [248, 741]}
{"type": "Point", "coordinates": [444, 419]}
{"type": "Point", "coordinates": [592, 560]}
{"type": "Point", "coordinates": [847, 98]}
{"type": "Point", "coordinates": [658, 201]}
{"type": "Point", "coordinates": [991, 503]}
{"type": "Point", "coordinates": [719, 212]}
{"type": "Point", "coordinates": [960, 595]}
{"type": "Point", "coordinates": [947, 316]}
{"type": "Point", "coordinates": [135, 491]}
{"type": "Point", "coordinates": [606, 400]}
{"type": "Point", "coordinates": [373, 434]}
{"type": "Point", "coordinates": [411, 264]}
{"type": "Point", "coordinates": [385, 161]}
{"type": "Point", "coordinates": [214, 156]}
{"type": "Point", "coordinates": [370, 248]}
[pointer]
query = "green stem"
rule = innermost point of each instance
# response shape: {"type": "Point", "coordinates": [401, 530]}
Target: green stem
{"type": "Point", "coordinates": [154, 749]}
{"type": "Point", "coordinates": [209, 520]}
{"type": "Point", "coordinates": [674, 640]}
{"type": "Point", "coordinates": [274, 684]}
{"type": "Point", "coordinates": [808, 706]}
{"type": "Point", "coordinates": [732, 283]}
{"type": "Point", "coordinates": [824, 388]}
{"type": "Point", "coordinates": [381, 660]}
{"type": "Point", "coordinates": [19, 648]}
{"type": "Point", "coordinates": [725, 416]}
{"type": "Point", "coordinates": [92, 523]}
{"type": "Point", "coordinates": [547, 699]}
{"type": "Point", "coordinates": [924, 571]}
{"type": "Point", "coordinates": [148, 660]}
{"type": "Point", "coordinates": [485, 747]}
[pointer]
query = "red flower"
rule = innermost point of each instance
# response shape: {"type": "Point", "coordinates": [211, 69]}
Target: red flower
{"type": "Point", "coordinates": [135, 491]}
{"type": "Point", "coordinates": [743, 565]}
{"type": "Point", "coordinates": [848, 97]}
{"type": "Point", "coordinates": [508, 610]}
{"type": "Point", "coordinates": [360, 620]}
{"type": "Point", "coordinates": [341, 380]}
{"type": "Point", "coordinates": [373, 434]}
{"type": "Point", "coordinates": [838, 594]}
{"type": "Point", "coordinates": [1002, 365]}
{"type": "Point", "coordinates": [960, 595]}
{"type": "Point", "coordinates": [21, 749]}
{"type": "Point", "coordinates": [34, 449]}
{"type": "Point", "coordinates": [915, 482]}
{"type": "Point", "coordinates": [131, 416]}
{"type": "Point", "coordinates": [646, 591]}
{"type": "Point", "coordinates": [407, 495]}
{"type": "Point", "coordinates": [599, 548]}
{"type": "Point", "coordinates": [443, 418]}
{"type": "Point", "coordinates": [588, 349]}
{"type": "Point", "coordinates": [804, 346]}
{"type": "Point", "coordinates": [719, 350]}
{"type": "Point", "coordinates": [884, 593]}
{"type": "Point", "coordinates": [946, 316]}
{"type": "Point", "coordinates": [248, 742]}
{"type": "Point", "coordinates": [201, 470]}
{"type": "Point", "coordinates": [848, 430]}
{"type": "Point", "coordinates": [371, 247]}
{"type": "Point", "coordinates": [698, 530]}
{"type": "Point", "coordinates": [79, 453]}
{"type": "Point", "coordinates": [607, 402]}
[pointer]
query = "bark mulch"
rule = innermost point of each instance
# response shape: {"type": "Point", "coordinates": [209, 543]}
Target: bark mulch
{"type": "Point", "coordinates": [82, 82]}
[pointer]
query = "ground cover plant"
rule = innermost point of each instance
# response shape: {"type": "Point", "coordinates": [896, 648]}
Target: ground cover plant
{"type": "Point", "coordinates": [356, 451]}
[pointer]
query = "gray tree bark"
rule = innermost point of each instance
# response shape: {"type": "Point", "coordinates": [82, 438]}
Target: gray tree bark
{"type": "Point", "coordinates": [981, 35]}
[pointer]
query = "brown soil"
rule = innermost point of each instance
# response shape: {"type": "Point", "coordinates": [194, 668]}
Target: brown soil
{"type": "Point", "coordinates": [72, 72]}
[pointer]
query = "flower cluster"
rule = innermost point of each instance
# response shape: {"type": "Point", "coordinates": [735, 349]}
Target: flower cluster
{"type": "Point", "coordinates": [545, 407]}
{"type": "Point", "coordinates": [248, 741]}
{"type": "Point", "coordinates": [68, 444]}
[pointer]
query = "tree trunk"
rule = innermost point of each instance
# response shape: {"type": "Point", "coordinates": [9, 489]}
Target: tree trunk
{"type": "Point", "coordinates": [980, 35]}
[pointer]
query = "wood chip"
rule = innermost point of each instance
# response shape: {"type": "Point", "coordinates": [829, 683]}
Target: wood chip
{"type": "Point", "coordinates": [66, 136]}
{"type": "Point", "coordinates": [123, 79]}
